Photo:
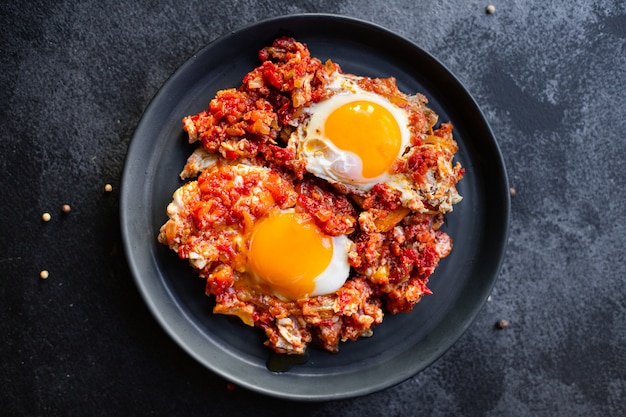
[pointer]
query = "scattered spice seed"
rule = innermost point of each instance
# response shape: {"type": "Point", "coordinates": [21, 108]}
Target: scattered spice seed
{"type": "Point", "coordinates": [65, 208]}
{"type": "Point", "coordinates": [44, 274]}
{"type": "Point", "coordinates": [108, 188]}
{"type": "Point", "coordinates": [491, 9]}
{"type": "Point", "coordinates": [46, 217]}
{"type": "Point", "coordinates": [502, 324]}
{"type": "Point", "coordinates": [512, 191]}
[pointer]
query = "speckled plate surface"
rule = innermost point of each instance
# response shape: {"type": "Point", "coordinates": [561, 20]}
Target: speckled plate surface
{"type": "Point", "coordinates": [403, 344]}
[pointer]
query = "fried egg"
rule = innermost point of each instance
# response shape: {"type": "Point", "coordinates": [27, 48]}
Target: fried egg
{"type": "Point", "coordinates": [291, 254]}
{"type": "Point", "coordinates": [354, 136]}
{"type": "Point", "coordinates": [282, 251]}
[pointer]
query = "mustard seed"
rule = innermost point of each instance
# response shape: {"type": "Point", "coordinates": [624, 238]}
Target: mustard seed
{"type": "Point", "coordinates": [491, 9]}
{"type": "Point", "coordinates": [44, 274]}
{"type": "Point", "coordinates": [502, 324]}
{"type": "Point", "coordinates": [46, 217]}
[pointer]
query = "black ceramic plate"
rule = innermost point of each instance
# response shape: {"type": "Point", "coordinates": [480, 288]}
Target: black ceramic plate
{"type": "Point", "coordinates": [403, 344]}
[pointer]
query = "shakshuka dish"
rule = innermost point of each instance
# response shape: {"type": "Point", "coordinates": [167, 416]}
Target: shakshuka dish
{"type": "Point", "coordinates": [314, 200]}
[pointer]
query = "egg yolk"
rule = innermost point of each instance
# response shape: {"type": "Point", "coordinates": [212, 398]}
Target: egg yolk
{"type": "Point", "coordinates": [368, 130]}
{"type": "Point", "coordinates": [289, 253]}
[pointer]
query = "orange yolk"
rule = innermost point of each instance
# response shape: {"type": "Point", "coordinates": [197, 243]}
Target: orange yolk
{"type": "Point", "coordinates": [368, 130]}
{"type": "Point", "coordinates": [289, 253]}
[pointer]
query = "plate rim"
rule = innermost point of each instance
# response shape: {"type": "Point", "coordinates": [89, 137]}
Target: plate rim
{"type": "Point", "coordinates": [126, 207]}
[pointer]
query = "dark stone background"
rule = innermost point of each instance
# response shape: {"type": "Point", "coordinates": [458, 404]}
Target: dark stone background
{"type": "Point", "coordinates": [75, 78]}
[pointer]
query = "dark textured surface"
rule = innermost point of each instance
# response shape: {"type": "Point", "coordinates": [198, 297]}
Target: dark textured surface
{"type": "Point", "coordinates": [75, 79]}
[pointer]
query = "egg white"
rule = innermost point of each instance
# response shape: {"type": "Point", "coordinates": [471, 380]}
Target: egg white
{"type": "Point", "coordinates": [338, 269]}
